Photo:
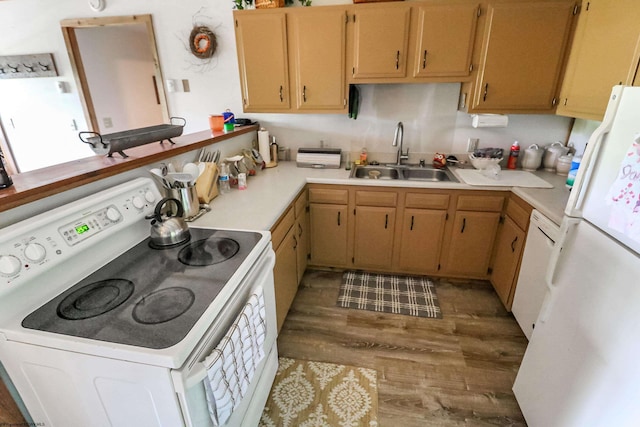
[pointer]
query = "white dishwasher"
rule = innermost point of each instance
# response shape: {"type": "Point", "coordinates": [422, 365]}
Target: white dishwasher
{"type": "Point", "coordinates": [531, 286]}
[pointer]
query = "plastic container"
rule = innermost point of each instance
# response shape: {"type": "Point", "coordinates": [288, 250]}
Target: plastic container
{"type": "Point", "coordinates": [575, 165]}
{"type": "Point", "coordinates": [225, 184]}
{"type": "Point", "coordinates": [514, 152]}
{"type": "Point", "coordinates": [229, 121]}
{"type": "Point", "coordinates": [216, 122]}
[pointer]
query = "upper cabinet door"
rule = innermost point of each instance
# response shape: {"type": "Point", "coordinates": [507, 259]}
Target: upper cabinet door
{"type": "Point", "coordinates": [318, 45]}
{"type": "Point", "coordinates": [381, 36]}
{"type": "Point", "coordinates": [261, 40]}
{"type": "Point", "coordinates": [605, 53]}
{"type": "Point", "coordinates": [522, 55]}
{"type": "Point", "coordinates": [446, 34]}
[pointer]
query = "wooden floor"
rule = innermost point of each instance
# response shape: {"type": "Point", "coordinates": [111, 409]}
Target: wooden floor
{"type": "Point", "coordinates": [455, 371]}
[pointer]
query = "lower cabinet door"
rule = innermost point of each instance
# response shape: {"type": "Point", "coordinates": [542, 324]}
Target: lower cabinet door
{"type": "Point", "coordinates": [285, 275]}
{"type": "Point", "coordinates": [302, 237]}
{"type": "Point", "coordinates": [328, 234]}
{"type": "Point", "coordinates": [471, 244]}
{"type": "Point", "coordinates": [421, 240]}
{"type": "Point", "coordinates": [375, 227]}
{"type": "Point", "coordinates": [508, 249]}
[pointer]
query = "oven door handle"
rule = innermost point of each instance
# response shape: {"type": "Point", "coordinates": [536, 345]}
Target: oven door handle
{"type": "Point", "coordinates": [198, 374]}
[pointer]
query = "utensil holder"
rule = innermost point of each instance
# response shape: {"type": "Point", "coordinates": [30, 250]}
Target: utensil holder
{"type": "Point", "coordinates": [189, 198]}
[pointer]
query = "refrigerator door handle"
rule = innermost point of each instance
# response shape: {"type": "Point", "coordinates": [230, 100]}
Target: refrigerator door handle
{"type": "Point", "coordinates": [567, 225]}
{"type": "Point", "coordinates": [577, 195]}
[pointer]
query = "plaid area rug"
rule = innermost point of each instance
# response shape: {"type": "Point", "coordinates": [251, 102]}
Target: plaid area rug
{"type": "Point", "coordinates": [410, 295]}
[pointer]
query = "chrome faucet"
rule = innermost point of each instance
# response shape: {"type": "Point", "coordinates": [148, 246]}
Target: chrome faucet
{"type": "Point", "coordinates": [398, 137]}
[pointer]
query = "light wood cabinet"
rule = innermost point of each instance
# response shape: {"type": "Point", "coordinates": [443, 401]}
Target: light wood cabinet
{"type": "Point", "coordinates": [471, 244]}
{"type": "Point", "coordinates": [445, 36]}
{"type": "Point", "coordinates": [285, 275]}
{"type": "Point", "coordinates": [509, 247]}
{"type": "Point", "coordinates": [604, 53]}
{"type": "Point", "coordinates": [289, 238]}
{"type": "Point", "coordinates": [261, 43]}
{"type": "Point", "coordinates": [328, 226]}
{"type": "Point", "coordinates": [522, 56]}
{"type": "Point", "coordinates": [307, 44]}
{"type": "Point", "coordinates": [318, 43]}
{"type": "Point", "coordinates": [373, 244]}
{"type": "Point", "coordinates": [421, 240]}
{"type": "Point", "coordinates": [380, 40]}
{"type": "Point", "coordinates": [473, 234]}
{"type": "Point", "coordinates": [302, 233]}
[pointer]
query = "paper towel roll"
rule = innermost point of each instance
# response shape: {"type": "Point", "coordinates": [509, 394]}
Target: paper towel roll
{"type": "Point", "coordinates": [263, 145]}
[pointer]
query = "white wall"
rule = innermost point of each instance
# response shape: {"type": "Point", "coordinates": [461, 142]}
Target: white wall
{"type": "Point", "coordinates": [427, 110]}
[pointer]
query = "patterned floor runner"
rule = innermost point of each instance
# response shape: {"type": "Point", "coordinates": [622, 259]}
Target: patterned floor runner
{"type": "Point", "coordinates": [310, 394]}
{"type": "Point", "coordinates": [410, 295]}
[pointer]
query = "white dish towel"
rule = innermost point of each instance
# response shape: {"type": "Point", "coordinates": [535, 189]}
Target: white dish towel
{"type": "Point", "coordinates": [231, 366]}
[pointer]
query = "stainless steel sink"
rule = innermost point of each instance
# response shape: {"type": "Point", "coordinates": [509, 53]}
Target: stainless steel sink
{"type": "Point", "coordinates": [375, 172]}
{"type": "Point", "coordinates": [404, 172]}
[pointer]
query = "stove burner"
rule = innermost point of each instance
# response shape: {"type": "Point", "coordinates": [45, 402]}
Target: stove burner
{"type": "Point", "coordinates": [208, 251]}
{"type": "Point", "coordinates": [163, 305]}
{"type": "Point", "coordinates": [95, 299]}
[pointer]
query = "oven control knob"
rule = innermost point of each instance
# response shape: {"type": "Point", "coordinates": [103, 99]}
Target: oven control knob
{"type": "Point", "coordinates": [113, 214]}
{"type": "Point", "coordinates": [9, 265]}
{"type": "Point", "coordinates": [35, 252]}
{"type": "Point", "coordinates": [138, 203]}
{"type": "Point", "coordinates": [150, 197]}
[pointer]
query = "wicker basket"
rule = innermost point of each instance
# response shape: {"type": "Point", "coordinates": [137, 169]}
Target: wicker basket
{"type": "Point", "coordinates": [268, 4]}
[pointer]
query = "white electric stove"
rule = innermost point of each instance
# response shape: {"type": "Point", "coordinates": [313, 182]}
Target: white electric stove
{"type": "Point", "coordinates": [99, 328]}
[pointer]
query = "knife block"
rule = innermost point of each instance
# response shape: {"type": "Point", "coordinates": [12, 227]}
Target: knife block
{"type": "Point", "coordinates": [207, 183]}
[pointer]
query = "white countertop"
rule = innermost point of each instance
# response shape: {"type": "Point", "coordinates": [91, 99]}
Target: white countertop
{"type": "Point", "coordinates": [271, 191]}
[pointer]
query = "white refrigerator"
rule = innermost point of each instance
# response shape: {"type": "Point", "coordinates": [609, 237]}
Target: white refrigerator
{"type": "Point", "coordinates": [582, 365]}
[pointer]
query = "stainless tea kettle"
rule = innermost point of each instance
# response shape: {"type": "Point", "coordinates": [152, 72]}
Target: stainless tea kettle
{"type": "Point", "coordinates": [166, 230]}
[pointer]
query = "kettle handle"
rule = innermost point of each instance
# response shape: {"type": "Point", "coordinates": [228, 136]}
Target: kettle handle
{"type": "Point", "coordinates": [158, 214]}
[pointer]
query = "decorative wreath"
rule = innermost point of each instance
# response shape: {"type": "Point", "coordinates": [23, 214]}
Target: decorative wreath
{"type": "Point", "coordinates": [202, 42]}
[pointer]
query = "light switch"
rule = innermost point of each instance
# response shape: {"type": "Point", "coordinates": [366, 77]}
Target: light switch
{"type": "Point", "coordinates": [171, 85]}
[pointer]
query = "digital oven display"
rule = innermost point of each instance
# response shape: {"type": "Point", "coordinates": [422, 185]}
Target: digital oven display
{"type": "Point", "coordinates": [82, 228]}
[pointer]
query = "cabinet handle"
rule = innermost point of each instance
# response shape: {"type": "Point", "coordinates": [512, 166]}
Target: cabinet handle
{"type": "Point", "coordinates": [411, 223]}
{"type": "Point", "coordinates": [338, 219]}
{"type": "Point", "coordinates": [397, 60]}
{"type": "Point", "coordinates": [464, 224]}
{"type": "Point", "coordinates": [513, 244]}
{"type": "Point", "coordinates": [304, 93]}
{"type": "Point", "coordinates": [486, 88]}
{"type": "Point", "coordinates": [281, 98]}
{"type": "Point", "coordinates": [386, 221]}
{"type": "Point", "coordinates": [295, 242]}
{"type": "Point", "coordinates": [424, 59]}
{"type": "Point", "coordinates": [299, 230]}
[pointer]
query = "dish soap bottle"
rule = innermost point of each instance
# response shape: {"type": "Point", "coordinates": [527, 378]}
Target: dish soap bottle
{"type": "Point", "coordinates": [513, 155]}
{"type": "Point", "coordinates": [363, 157]}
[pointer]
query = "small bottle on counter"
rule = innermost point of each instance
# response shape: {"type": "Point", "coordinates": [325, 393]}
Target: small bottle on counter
{"type": "Point", "coordinates": [363, 156]}
{"type": "Point", "coordinates": [225, 184]}
{"type": "Point", "coordinates": [242, 181]}
{"type": "Point", "coordinates": [514, 152]}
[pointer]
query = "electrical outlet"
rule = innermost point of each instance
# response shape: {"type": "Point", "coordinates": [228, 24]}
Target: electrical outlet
{"type": "Point", "coordinates": [472, 144]}
{"type": "Point", "coordinates": [108, 123]}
